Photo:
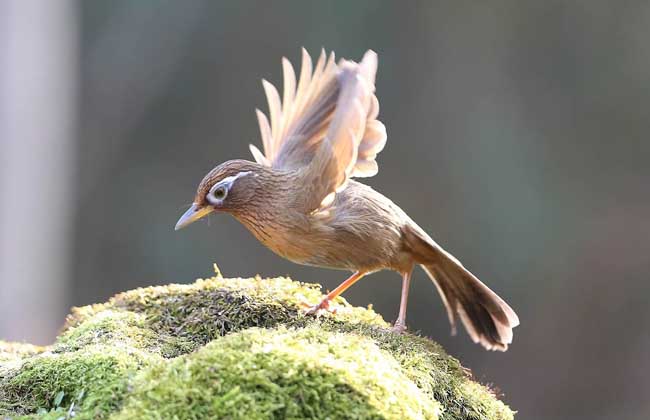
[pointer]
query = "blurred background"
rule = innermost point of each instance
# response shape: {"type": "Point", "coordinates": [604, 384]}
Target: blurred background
{"type": "Point", "coordinates": [518, 138]}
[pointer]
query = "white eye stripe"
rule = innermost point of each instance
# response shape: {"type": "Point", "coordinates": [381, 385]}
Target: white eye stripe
{"type": "Point", "coordinates": [228, 181]}
{"type": "Point", "coordinates": [224, 183]}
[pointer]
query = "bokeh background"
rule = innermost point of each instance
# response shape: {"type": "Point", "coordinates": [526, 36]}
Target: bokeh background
{"type": "Point", "coordinates": [518, 137]}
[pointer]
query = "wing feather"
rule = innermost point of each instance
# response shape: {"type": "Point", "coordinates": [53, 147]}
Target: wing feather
{"type": "Point", "coordinates": [303, 85]}
{"type": "Point", "coordinates": [259, 156]}
{"type": "Point", "coordinates": [289, 76]}
{"type": "Point", "coordinates": [329, 113]}
{"type": "Point", "coordinates": [275, 107]}
{"type": "Point", "coordinates": [265, 130]}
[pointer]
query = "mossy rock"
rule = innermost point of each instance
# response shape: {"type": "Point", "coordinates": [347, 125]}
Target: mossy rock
{"type": "Point", "coordinates": [236, 349]}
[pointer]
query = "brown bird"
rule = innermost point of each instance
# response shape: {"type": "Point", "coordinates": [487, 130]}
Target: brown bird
{"type": "Point", "coordinates": [299, 200]}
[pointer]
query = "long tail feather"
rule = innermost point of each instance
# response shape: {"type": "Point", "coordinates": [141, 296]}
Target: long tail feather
{"type": "Point", "coordinates": [486, 317]}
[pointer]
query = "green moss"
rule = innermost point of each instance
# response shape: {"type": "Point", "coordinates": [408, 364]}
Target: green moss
{"type": "Point", "coordinates": [90, 382]}
{"type": "Point", "coordinates": [211, 308]}
{"type": "Point", "coordinates": [262, 373]}
{"type": "Point", "coordinates": [11, 360]}
{"type": "Point", "coordinates": [437, 374]}
{"type": "Point", "coordinates": [118, 327]}
{"type": "Point", "coordinates": [229, 347]}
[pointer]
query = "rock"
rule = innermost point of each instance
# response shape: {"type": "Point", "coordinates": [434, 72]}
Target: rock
{"type": "Point", "coordinates": [237, 349]}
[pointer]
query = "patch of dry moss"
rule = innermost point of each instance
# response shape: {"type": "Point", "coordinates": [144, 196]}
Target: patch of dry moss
{"type": "Point", "coordinates": [17, 351]}
{"type": "Point", "coordinates": [229, 347]}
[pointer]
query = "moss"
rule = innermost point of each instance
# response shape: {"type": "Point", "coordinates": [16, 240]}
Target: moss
{"type": "Point", "coordinates": [283, 373]}
{"type": "Point", "coordinates": [211, 308]}
{"type": "Point", "coordinates": [11, 360]}
{"type": "Point", "coordinates": [118, 327]}
{"type": "Point", "coordinates": [16, 351]}
{"type": "Point", "coordinates": [437, 374]}
{"type": "Point", "coordinates": [237, 348]}
{"type": "Point", "coordinates": [90, 382]}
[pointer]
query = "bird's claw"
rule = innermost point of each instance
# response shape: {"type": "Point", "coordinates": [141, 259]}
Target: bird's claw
{"type": "Point", "coordinates": [323, 306]}
{"type": "Point", "coordinates": [398, 328]}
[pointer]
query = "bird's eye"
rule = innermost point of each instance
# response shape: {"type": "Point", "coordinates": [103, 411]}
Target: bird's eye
{"type": "Point", "coordinates": [220, 193]}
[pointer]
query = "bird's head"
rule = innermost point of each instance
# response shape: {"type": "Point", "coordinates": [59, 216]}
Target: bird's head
{"type": "Point", "coordinates": [230, 187]}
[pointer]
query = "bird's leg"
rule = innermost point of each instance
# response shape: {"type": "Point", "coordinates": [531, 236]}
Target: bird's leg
{"type": "Point", "coordinates": [325, 303]}
{"type": "Point", "coordinates": [400, 324]}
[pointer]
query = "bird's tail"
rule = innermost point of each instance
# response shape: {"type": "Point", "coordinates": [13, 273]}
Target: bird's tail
{"type": "Point", "coordinates": [486, 317]}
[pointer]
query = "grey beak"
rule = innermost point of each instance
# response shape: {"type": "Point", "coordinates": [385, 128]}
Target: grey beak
{"type": "Point", "coordinates": [194, 213]}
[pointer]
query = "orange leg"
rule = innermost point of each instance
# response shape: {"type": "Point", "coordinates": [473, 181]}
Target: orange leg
{"type": "Point", "coordinates": [400, 324]}
{"type": "Point", "coordinates": [325, 303]}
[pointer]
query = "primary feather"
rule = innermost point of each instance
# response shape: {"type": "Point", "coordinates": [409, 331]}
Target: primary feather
{"type": "Point", "coordinates": [331, 93]}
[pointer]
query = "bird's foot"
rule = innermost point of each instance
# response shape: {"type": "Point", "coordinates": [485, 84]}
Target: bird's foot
{"type": "Point", "coordinates": [323, 306]}
{"type": "Point", "coordinates": [398, 328]}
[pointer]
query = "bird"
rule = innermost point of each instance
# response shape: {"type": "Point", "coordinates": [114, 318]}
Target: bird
{"type": "Point", "coordinates": [301, 197]}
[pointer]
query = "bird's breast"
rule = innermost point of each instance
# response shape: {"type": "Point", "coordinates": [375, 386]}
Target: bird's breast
{"type": "Point", "coordinates": [288, 239]}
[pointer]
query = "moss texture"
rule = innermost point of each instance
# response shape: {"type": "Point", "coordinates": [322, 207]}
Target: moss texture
{"type": "Point", "coordinates": [237, 349]}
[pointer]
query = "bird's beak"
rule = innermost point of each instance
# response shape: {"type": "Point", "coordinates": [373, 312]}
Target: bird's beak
{"type": "Point", "coordinates": [194, 213]}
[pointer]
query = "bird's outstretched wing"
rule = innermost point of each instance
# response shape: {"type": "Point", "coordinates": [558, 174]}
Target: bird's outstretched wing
{"type": "Point", "coordinates": [331, 116]}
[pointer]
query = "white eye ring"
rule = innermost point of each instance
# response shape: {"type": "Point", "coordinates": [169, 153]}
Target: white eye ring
{"type": "Point", "coordinates": [219, 193]}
